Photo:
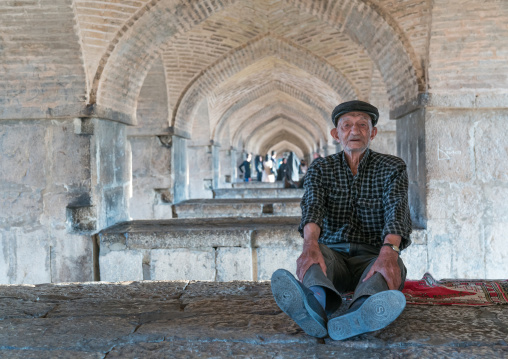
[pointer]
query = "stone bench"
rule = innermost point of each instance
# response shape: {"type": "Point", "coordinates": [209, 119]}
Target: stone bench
{"type": "Point", "coordinates": [213, 249]}
{"type": "Point", "coordinates": [203, 208]}
{"type": "Point", "coordinates": [256, 184]}
{"type": "Point", "coordinates": [258, 193]}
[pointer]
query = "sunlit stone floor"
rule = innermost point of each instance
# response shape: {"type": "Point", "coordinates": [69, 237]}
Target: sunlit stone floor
{"type": "Point", "coordinates": [220, 320]}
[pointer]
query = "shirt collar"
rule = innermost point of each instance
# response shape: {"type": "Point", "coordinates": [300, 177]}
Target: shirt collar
{"type": "Point", "coordinates": [363, 161]}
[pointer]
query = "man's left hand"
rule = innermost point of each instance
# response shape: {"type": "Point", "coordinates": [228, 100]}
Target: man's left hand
{"type": "Point", "coordinates": [386, 264]}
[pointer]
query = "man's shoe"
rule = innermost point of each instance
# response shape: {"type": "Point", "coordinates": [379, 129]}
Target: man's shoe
{"type": "Point", "coordinates": [299, 303]}
{"type": "Point", "coordinates": [376, 312]}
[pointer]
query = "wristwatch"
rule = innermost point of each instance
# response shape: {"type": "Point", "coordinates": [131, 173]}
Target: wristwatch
{"type": "Point", "coordinates": [394, 247]}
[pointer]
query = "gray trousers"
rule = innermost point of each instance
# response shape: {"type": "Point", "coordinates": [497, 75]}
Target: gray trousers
{"type": "Point", "coordinates": [347, 264]}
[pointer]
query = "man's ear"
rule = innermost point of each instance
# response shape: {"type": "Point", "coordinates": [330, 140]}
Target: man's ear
{"type": "Point", "coordinates": [334, 134]}
{"type": "Point", "coordinates": [373, 133]}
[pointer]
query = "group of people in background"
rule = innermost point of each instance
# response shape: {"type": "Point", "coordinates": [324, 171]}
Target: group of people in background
{"type": "Point", "coordinates": [289, 169]}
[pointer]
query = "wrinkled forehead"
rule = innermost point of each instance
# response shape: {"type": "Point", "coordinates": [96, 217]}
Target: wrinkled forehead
{"type": "Point", "coordinates": [355, 115]}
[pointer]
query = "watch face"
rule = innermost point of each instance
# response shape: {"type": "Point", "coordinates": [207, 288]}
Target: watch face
{"type": "Point", "coordinates": [394, 247]}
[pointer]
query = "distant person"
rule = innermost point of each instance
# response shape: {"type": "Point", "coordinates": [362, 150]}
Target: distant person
{"type": "Point", "coordinates": [268, 174]}
{"type": "Point", "coordinates": [281, 172]}
{"type": "Point", "coordinates": [303, 167]}
{"type": "Point", "coordinates": [274, 160]}
{"type": "Point", "coordinates": [245, 168]}
{"type": "Point", "coordinates": [292, 177]}
{"type": "Point", "coordinates": [259, 167]}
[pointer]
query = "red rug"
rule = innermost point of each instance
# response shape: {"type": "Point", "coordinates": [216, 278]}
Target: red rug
{"type": "Point", "coordinates": [456, 291]}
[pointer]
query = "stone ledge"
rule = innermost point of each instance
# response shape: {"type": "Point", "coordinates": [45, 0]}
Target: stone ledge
{"type": "Point", "coordinates": [258, 193]}
{"type": "Point", "coordinates": [205, 208]}
{"type": "Point", "coordinates": [214, 249]}
{"type": "Point", "coordinates": [256, 184]}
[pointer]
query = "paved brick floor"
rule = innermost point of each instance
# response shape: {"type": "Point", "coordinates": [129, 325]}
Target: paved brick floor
{"type": "Point", "coordinates": [219, 320]}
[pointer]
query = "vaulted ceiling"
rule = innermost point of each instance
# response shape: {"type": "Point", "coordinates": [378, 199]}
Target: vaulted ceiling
{"type": "Point", "coordinates": [270, 71]}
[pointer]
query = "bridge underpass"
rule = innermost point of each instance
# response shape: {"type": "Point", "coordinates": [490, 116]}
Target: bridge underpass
{"type": "Point", "coordinates": [115, 112]}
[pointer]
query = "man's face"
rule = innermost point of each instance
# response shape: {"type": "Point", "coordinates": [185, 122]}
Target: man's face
{"type": "Point", "coordinates": [354, 131]}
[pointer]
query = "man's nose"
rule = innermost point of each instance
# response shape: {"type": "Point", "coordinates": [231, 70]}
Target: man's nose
{"type": "Point", "coordinates": [355, 128]}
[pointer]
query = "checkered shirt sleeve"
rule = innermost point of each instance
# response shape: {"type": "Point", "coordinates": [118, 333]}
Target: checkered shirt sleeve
{"type": "Point", "coordinates": [359, 209]}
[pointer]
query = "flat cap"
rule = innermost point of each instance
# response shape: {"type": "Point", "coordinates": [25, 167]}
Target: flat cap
{"type": "Point", "coordinates": [358, 106]}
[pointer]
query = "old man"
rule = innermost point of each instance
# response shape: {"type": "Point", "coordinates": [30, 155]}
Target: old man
{"type": "Point", "coordinates": [355, 221]}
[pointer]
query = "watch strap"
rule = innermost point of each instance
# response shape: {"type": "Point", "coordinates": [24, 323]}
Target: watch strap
{"type": "Point", "coordinates": [392, 246]}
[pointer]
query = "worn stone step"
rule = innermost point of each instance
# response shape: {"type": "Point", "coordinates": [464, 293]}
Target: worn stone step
{"type": "Point", "coordinates": [232, 207]}
{"type": "Point", "coordinates": [258, 193]}
{"type": "Point", "coordinates": [256, 184]}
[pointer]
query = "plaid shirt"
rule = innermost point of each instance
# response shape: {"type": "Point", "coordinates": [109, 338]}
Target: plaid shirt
{"type": "Point", "coordinates": [362, 208]}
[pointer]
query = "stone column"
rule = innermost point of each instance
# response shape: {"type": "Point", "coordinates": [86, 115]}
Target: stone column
{"type": "Point", "coordinates": [216, 165]}
{"type": "Point", "coordinates": [180, 169]}
{"type": "Point", "coordinates": [330, 149]}
{"type": "Point", "coordinates": [61, 181]}
{"type": "Point", "coordinates": [411, 148]}
{"type": "Point", "coordinates": [226, 170]}
{"type": "Point", "coordinates": [467, 181]}
{"type": "Point", "coordinates": [201, 171]}
{"type": "Point", "coordinates": [152, 192]}
{"type": "Point", "coordinates": [234, 166]}
{"type": "Point", "coordinates": [111, 171]}
{"type": "Point", "coordinates": [458, 189]}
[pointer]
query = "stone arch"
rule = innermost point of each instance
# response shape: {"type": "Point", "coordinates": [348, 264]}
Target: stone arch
{"type": "Point", "coordinates": [262, 91]}
{"type": "Point", "coordinates": [273, 112]}
{"type": "Point", "coordinates": [275, 126]}
{"type": "Point", "coordinates": [287, 146]}
{"type": "Point", "coordinates": [384, 41]}
{"type": "Point", "coordinates": [121, 70]}
{"type": "Point", "coordinates": [114, 90]}
{"type": "Point", "coordinates": [270, 140]}
{"type": "Point", "coordinates": [152, 107]}
{"type": "Point", "coordinates": [243, 57]}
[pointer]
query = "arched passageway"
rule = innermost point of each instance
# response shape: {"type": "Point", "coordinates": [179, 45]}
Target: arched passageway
{"type": "Point", "coordinates": [151, 102]}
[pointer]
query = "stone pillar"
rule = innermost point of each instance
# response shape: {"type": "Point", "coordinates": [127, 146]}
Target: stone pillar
{"type": "Point", "coordinates": [234, 166]}
{"type": "Point", "coordinates": [467, 181]}
{"type": "Point", "coordinates": [411, 138]}
{"type": "Point", "coordinates": [411, 148]}
{"type": "Point", "coordinates": [201, 171]}
{"type": "Point", "coordinates": [216, 165]}
{"type": "Point", "coordinates": [152, 191]}
{"type": "Point", "coordinates": [330, 149]}
{"type": "Point", "coordinates": [111, 171]}
{"type": "Point", "coordinates": [61, 181]}
{"type": "Point", "coordinates": [180, 169]}
{"type": "Point", "coordinates": [458, 189]}
{"type": "Point", "coordinates": [225, 173]}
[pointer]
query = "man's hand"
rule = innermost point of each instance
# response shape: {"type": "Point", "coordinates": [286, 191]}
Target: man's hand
{"type": "Point", "coordinates": [386, 264]}
{"type": "Point", "coordinates": [311, 254]}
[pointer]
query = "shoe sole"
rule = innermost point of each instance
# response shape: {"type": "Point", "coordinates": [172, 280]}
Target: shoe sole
{"type": "Point", "coordinates": [290, 297]}
{"type": "Point", "coordinates": [376, 313]}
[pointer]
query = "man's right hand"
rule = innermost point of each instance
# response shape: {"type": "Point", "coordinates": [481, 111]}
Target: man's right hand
{"type": "Point", "coordinates": [311, 254]}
